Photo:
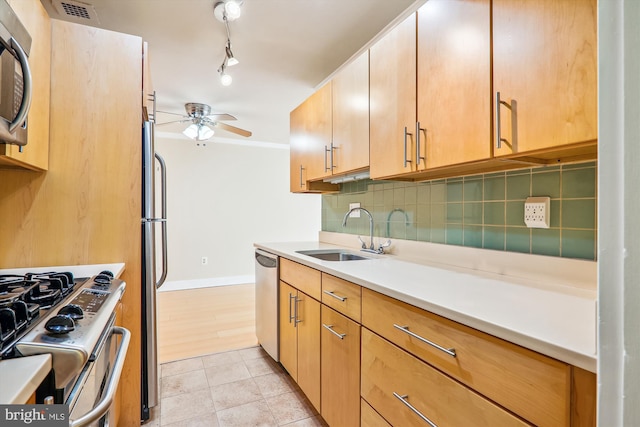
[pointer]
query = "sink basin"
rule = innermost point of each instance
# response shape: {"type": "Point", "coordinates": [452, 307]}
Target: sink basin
{"type": "Point", "coordinates": [333, 255]}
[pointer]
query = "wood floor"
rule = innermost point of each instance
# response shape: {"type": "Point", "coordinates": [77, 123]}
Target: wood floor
{"type": "Point", "coordinates": [197, 322]}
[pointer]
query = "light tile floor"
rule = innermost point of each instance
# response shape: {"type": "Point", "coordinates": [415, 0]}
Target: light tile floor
{"type": "Point", "coordinates": [240, 388]}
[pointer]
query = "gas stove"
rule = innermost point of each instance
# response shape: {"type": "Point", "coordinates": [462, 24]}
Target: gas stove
{"type": "Point", "coordinates": [25, 299]}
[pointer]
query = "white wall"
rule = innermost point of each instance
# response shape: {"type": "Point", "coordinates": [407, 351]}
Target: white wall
{"type": "Point", "coordinates": [221, 199]}
{"type": "Point", "coordinates": [618, 218]}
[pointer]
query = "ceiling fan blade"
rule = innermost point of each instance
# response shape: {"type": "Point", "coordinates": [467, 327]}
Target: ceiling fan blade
{"type": "Point", "coordinates": [169, 112]}
{"type": "Point", "coordinates": [222, 116]}
{"type": "Point", "coordinates": [233, 129]}
{"type": "Point", "coordinates": [175, 121]}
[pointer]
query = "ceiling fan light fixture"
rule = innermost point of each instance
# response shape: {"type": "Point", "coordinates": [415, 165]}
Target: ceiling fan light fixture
{"type": "Point", "coordinates": [198, 132]}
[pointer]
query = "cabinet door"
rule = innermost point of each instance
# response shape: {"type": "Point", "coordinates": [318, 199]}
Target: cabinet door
{"type": "Point", "coordinates": [308, 328]}
{"type": "Point", "coordinates": [35, 155]}
{"type": "Point", "coordinates": [310, 137]}
{"type": "Point", "coordinates": [288, 330]}
{"type": "Point", "coordinates": [340, 358]}
{"type": "Point", "coordinates": [350, 100]}
{"type": "Point", "coordinates": [297, 168]}
{"type": "Point", "coordinates": [454, 82]}
{"type": "Point", "coordinates": [544, 66]}
{"type": "Point", "coordinates": [392, 80]}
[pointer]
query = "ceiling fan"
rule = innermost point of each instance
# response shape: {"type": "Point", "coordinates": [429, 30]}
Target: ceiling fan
{"type": "Point", "coordinates": [202, 121]}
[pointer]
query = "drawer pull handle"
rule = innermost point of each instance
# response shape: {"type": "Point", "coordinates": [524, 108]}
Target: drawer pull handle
{"type": "Point", "coordinates": [450, 351]}
{"type": "Point", "coordinates": [330, 329]}
{"type": "Point", "coordinates": [343, 299]}
{"type": "Point", "coordinates": [403, 399]}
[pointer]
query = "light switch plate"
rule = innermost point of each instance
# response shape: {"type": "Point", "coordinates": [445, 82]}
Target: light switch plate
{"type": "Point", "coordinates": [537, 212]}
{"type": "Point", "coordinates": [355, 214]}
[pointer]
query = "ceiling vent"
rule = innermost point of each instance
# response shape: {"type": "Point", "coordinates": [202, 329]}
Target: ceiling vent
{"type": "Point", "coordinates": [75, 11]}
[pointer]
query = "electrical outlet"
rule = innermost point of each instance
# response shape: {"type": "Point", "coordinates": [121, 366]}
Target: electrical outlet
{"type": "Point", "coordinates": [355, 214]}
{"type": "Point", "coordinates": [205, 260]}
{"type": "Point", "coordinates": [537, 212]}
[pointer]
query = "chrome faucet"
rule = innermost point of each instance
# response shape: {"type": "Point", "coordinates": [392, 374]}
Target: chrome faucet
{"type": "Point", "coordinates": [371, 247]}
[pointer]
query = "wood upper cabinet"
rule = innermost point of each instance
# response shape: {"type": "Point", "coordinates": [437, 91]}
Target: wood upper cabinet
{"type": "Point", "coordinates": [454, 82]}
{"type": "Point", "coordinates": [545, 69]}
{"type": "Point", "coordinates": [350, 106]}
{"type": "Point", "coordinates": [310, 135]}
{"type": "Point", "coordinates": [34, 155]}
{"type": "Point", "coordinates": [340, 369]}
{"type": "Point", "coordinates": [148, 95]}
{"type": "Point", "coordinates": [392, 91]}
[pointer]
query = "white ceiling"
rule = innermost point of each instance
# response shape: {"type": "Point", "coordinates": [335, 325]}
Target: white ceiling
{"type": "Point", "coordinates": [286, 48]}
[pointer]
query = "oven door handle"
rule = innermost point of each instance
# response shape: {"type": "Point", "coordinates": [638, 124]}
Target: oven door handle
{"type": "Point", "coordinates": [103, 406]}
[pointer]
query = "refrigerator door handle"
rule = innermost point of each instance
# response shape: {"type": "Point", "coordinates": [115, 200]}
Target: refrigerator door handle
{"type": "Point", "coordinates": [163, 218]}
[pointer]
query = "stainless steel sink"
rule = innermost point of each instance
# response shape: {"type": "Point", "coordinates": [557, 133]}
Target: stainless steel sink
{"type": "Point", "coordinates": [333, 255]}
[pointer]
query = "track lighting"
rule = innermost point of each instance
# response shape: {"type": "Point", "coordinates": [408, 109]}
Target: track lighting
{"type": "Point", "coordinates": [225, 11]}
{"type": "Point", "coordinates": [225, 78]}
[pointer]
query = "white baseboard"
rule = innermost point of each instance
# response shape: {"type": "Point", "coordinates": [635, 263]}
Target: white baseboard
{"type": "Point", "coordinates": [180, 285]}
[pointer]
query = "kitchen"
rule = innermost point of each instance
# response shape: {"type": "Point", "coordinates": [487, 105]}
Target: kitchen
{"type": "Point", "coordinates": [21, 246]}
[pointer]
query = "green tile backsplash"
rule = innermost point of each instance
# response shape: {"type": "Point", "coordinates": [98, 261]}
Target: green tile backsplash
{"type": "Point", "coordinates": [483, 211]}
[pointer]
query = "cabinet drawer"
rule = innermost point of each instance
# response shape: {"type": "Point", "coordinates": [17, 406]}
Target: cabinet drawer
{"type": "Point", "coordinates": [369, 417]}
{"type": "Point", "coordinates": [391, 375]}
{"type": "Point", "coordinates": [301, 277]}
{"type": "Point", "coordinates": [531, 385]}
{"type": "Point", "coordinates": [342, 296]}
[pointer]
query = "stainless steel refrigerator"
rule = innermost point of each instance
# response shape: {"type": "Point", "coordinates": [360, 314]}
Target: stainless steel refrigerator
{"type": "Point", "coordinates": [150, 281]}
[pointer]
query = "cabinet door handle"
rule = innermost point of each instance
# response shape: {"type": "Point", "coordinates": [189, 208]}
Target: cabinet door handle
{"type": "Point", "coordinates": [499, 137]}
{"type": "Point", "coordinates": [333, 166]}
{"type": "Point", "coordinates": [338, 297]}
{"type": "Point", "coordinates": [405, 147]}
{"type": "Point", "coordinates": [301, 183]}
{"type": "Point", "coordinates": [403, 399]}
{"type": "Point", "coordinates": [450, 351]}
{"type": "Point", "coordinates": [326, 150]}
{"type": "Point", "coordinates": [418, 156]}
{"type": "Point", "coordinates": [295, 312]}
{"type": "Point", "coordinates": [291, 317]}
{"type": "Point", "coordinates": [330, 329]}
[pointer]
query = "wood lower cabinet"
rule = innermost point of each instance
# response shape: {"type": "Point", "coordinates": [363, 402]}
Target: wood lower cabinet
{"type": "Point", "coordinates": [369, 417]}
{"type": "Point", "coordinates": [545, 69]}
{"type": "Point", "coordinates": [34, 155]}
{"type": "Point", "coordinates": [406, 391]}
{"type": "Point", "coordinates": [299, 322]}
{"type": "Point", "coordinates": [342, 296]}
{"type": "Point", "coordinates": [340, 369]}
{"type": "Point", "coordinates": [531, 385]}
{"type": "Point", "coordinates": [363, 358]}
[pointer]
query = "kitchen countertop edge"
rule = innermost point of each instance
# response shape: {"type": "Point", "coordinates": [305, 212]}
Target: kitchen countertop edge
{"type": "Point", "coordinates": [532, 337]}
{"type": "Point", "coordinates": [21, 377]}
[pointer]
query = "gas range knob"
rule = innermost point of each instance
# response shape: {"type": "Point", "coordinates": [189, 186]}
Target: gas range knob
{"type": "Point", "coordinates": [107, 273]}
{"type": "Point", "coordinates": [60, 324]}
{"type": "Point", "coordinates": [102, 279]}
{"type": "Point", "coordinates": [72, 310]}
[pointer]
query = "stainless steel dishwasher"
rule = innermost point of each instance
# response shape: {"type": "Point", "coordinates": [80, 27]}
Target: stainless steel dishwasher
{"type": "Point", "coordinates": [267, 302]}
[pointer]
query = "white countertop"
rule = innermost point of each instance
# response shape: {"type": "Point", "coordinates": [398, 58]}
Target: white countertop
{"type": "Point", "coordinates": [77, 270]}
{"type": "Point", "coordinates": [551, 318]}
{"type": "Point", "coordinates": [21, 377]}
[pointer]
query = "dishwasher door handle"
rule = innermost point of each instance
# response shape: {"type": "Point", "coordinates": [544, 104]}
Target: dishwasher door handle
{"type": "Point", "coordinates": [103, 406]}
